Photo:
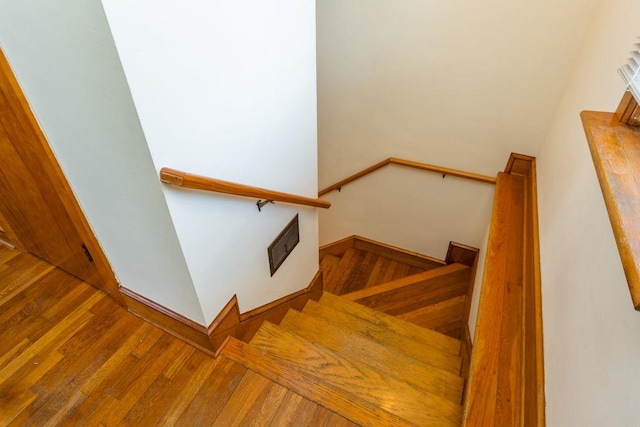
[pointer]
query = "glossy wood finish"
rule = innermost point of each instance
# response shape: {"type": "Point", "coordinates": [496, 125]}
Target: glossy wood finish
{"type": "Point", "coordinates": [38, 208]}
{"type": "Point", "coordinates": [495, 380]}
{"type": "Point", "coordinates": [373, 275]}
{"type": "Point", "coordinates": [506, 378]}
{"type": "Point", "coordinates": [380, 323]}
{"type": "Point", "coordinates": [369, 367]}
{"type": "Point", "coordinates": [628, 111]}
{"type": "Point", "coordinates": [394, 253]}
{"type": "Point", "coordinates": [308, 386]}
{"type": "Point", "coordinates": [391, 362]}
{"type": "Point", "coordinates": [416, 291]}
{"type": "Point", "coordinates": [615, 149]}
{"type": "Point", "coordinates": [69, 355]}
{"type": "Point", "coordinates": [410, 164]}
{"type": "Point", "coordinates": [229, 322]}
{"type": "Point", "coordinates": [197, 182]}
{"type": "Point", "coordinates": [355, 378]}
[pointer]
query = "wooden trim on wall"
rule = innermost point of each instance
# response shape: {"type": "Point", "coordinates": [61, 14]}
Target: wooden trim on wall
{"type": "Point", "coordinates": [414, 259]}
{"type": "Point", "coordinates": [228, 323]}
{"type": "Point", "coordinates": [467, 255]}
{"type": "Point", "coordinates": [337, 248]}
{"type": "Point", "coordinates": [243, 326]}
{"type": "Point", "coordinates": [506, 377]}
{"type": "Point", "coordinates": [167, 320]}
{"type": "Point", "coordinates": [197, 182]}
{"type": "Point", "coordinates": [466, 350]}
{"type": "Point", "coordinates": [411, 164]}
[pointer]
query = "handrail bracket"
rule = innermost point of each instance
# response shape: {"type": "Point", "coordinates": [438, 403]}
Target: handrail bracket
{"type": "Point", "coordinates": [261, 203]}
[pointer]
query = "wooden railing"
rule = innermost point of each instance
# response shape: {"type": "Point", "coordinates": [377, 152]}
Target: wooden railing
{"type": "Point", "coordinates": [196, 182]}
{"type": "Point", "coordinates": [506, 378]}
{"type": "Point", "coordinates": [410, 164]}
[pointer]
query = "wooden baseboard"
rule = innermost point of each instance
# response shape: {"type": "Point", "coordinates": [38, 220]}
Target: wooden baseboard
{"type": "Point", "coordinates": [337, 248]}
{"type": "Point", "coordinates": [461, 254]}
{"type": "Point", "coordinates": [392, 252]}
{"type": "Point", "coordinates": [465, 350]}
{"type": "Point", "coordinates": [229, 323]}
{"type": "Point", "coordinates": [168, 320]}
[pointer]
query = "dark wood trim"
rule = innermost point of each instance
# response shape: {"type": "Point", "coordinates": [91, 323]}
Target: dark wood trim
{"type": "Point", "coordinates": [228, 323]}
{"type": "Point", "coordinates": [197, 182]}
{"type": "Point", "coordinates": [411, 164]}
{"type": "Point", "coordinates": [506, 376]}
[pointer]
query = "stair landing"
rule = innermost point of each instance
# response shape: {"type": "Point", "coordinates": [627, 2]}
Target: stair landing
{"type": "Point", "coordinates": [366, 366]}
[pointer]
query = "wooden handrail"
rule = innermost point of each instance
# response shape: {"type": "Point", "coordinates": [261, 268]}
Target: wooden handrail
{"type": "Point", "coordinates": [506, 377]}
{"type": "Point", "coordinates": [411, 164]}
{"type": "Point", "coordinates": [197, 182]}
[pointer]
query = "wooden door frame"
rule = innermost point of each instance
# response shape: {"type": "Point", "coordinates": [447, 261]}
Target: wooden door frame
{"type": "Point", "coordinates": [65, 193]}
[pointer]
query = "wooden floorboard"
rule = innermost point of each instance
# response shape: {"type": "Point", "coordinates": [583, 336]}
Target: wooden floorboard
{"type": "Point", "coordinates": [359, 269]}
{"type": "Point", "coordinates": [69, 355]}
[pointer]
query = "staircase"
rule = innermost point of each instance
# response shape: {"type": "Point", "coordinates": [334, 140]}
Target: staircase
{"type": "Point", "coordinates": [338, 362]}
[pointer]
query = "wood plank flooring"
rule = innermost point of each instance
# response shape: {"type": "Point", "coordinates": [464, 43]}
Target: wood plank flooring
{"type": "Point", "coordinates": [436, 298]}
{"type": "Point", "coordinates": [69, 355]}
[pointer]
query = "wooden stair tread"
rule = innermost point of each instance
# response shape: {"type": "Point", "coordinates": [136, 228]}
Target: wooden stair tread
{"type": "Point", "coordinates": [355, 379]}
{"type": "Point", "coordinates": [328, 264]}
{"type": "Point", "coordinates": [393, 363]}
{"type": "Point", "coordinates": [259, 401]}
{"type": "Point", "coordinates": [347, 263]}
{"type": "Point", "coordinates": [390, 323]}
{"type": "Point", "coordinates": [404, 282]}
{"type": "Point", "coordinates": [437, 316]}
{"type": "Point", "coordinates": [417, 349]}
{"type": "Point", "coordinates": [310, 387]}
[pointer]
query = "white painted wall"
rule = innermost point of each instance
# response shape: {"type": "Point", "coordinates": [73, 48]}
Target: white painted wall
{"type": "Point", "coordinates": [459, 84]}
{"type": "Point", "coordinates": [454, 83]}
{"type": "Point", "coordinates": [228, 90]}
{"type": "Point", "coordinates": [592, 345]}
{"type": "Point", "coordinates": [65, 59]}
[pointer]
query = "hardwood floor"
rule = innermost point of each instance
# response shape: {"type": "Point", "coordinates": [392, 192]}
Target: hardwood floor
{"type": "Point", "coordinates": [69, 355]}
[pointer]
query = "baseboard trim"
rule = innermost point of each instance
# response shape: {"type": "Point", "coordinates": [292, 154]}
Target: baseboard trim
{"type": "Point", "coordinates": [229, 322]}
{"type": "Point", "coordinates": [392, 252]}
{"type": "Point", "coordinates": [465, 351]}
{"type": "Point", "coordinates": [167, 320]}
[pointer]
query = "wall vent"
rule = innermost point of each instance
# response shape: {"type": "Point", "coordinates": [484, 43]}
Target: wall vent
{"type": "Point", "coordinates": [283, 245]}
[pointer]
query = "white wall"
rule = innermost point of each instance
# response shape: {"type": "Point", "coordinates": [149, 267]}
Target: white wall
{"type": "Point", "coordinates": [413, 209]}
{"type": "Point", "coordinates": [592, 344]}
{"type": "Point", "coordinates": [456, 83]}
{"type": "Point", "coordinates": [228, 90]}
{"type": "Point", "coordinates": [459, 84]}
{"type": "Point", "coordinates": [65, 59]}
